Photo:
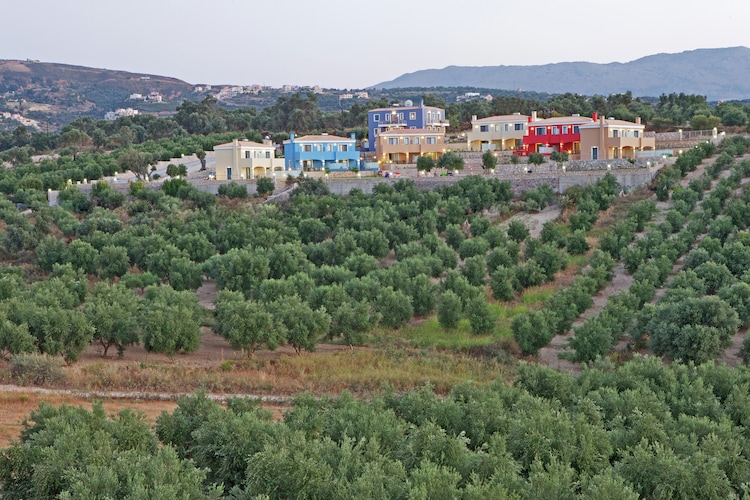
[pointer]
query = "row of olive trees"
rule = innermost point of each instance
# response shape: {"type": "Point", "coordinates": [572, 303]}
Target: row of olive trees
{"type": "Point", "coordinates": [685, 324]}
{"type": "Point", "coordinates": [643, 430]}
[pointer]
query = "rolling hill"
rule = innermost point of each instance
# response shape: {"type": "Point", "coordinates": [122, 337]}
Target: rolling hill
{"type": "Point", "coordinates": [719, 74]}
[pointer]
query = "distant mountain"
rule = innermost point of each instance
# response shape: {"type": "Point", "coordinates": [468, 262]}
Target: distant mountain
{"type": "Point", "coordinates": [57, 93]}
{"type": "Point", "coordinates": [716, 73]}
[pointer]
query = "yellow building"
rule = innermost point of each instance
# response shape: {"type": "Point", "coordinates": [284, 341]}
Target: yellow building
{"type": "Point", "coordinates": [238, 160]}
{"type": "Point", "coordinates": [610, 139]}
{"type": "Point", "coordinates": [405, 145]}
{"type": "Point", "coordinates": [497, 133]}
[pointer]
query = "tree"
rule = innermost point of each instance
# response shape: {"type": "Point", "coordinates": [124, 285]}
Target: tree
{"type": "Point", "coordinates": [247, 325]}
{"type": "Point", "coordinates": [177, 170]}
{"type": "Point", "coordinates": [489, 160]}
{"type": "Point", "coordinates": [71, 452]}
{"type": "Point", "coordinates": [480, 316]}
{"type": "Point", "coordinates": [559, 156]}
{"type": "Point", "coordinates": [450, 161]}
{"type": "Point", "coordinates": [15, 339]}
{"type": "Point", "coordinates": [394, 306]}
{"type": "Point", "coordinates": [265, 186]}
{"type": "Point", "coordinates": [113, 312]}
{"type": "Point", "coordinates": [449, 310]}
{"type": "Point", "coordinates": [170, 320]}
{"type": "Point", "coordinates": [201, 155]}
{"type": "Point", "coordinates": [502, 283]}
{"type": "Point", "coordinates": [535, 159]}
{"type": "Point", "coordinates": [693, 329]}
{"type": "Point", "coordinates": [517, 231]}
{"type": "Point", "coordinates": [304, 326]}
{"type": "Point", "coordinates": [137, 162]}
{"type": "Point", "coordinates": [532, 331]}
{"type": "Point", "coordinates": [425, 164]}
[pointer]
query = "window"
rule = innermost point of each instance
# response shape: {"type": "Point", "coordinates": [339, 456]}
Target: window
{"type": "Point", "coordinates": [307, 148]}
{"type": "Point", "coordinates": [576, 129]}
{"type": "Point", "coordinates": [565, 129]}
{"type": "Point", "coordinates": [318, 148]}
{"type": "Point", "coordinates": [268, 154]}
{"type": "Point", "coordinates": [400, 117]}
{"type": "Point", "coordinates": [413, 115]}
{"type": "Point", "coordinates": [518, 126]}
{"type": "Point", "coordinates": [615, 133]}
{"type": "Point", "coordinates": [555, 130]}
{"type": "Point", "coordinates": [415, 140]}
{"type": "Point", "coordinates": [343, 147]}
{"type": "Point", "coordinates": [329, 147]}
{"type": "Point", "coordinates": [431, 140]}
{"type": "Point", "coordinates": [393, 140]}
{"type": "Point", "coordinates": [406, 140]}
{"type": "Point", "coordinates": [636, 133]}
{"type": "Point", "coordinates": [541, 131]}
{"type": "Point", "coordinates": [376, 117]}
{"type": "Point", "coordinates": [247, 154]}
{"type": "Point", "coordinates": [484, 128]}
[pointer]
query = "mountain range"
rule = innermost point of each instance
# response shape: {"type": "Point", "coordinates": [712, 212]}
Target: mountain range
{"type": "Point", "coordinates": [719, 74]}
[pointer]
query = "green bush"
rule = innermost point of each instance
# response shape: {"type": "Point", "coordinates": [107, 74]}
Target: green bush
{"type": "Point", "coordinates": [35, 369]}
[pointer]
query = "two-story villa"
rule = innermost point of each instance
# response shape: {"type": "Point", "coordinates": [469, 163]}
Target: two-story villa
{"type": "Point", "coordinates": [246, 160]}
{"type": "Point", "coordinates": [561, 133]}
{"type": "Point", "coordinates": [321, 152]}
{"type": "Point", "coordinates": [497, 133]}
{"type": "Point", "coordinates": [407, 117]}
{"type": "Point", "coordinates": [608, 139]}
{"type": "Point", "coordinates": [406, 145]}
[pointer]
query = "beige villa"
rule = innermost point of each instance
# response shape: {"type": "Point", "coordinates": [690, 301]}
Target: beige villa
{"type": "Point", "coordinates": [405, 145]}
{"type": "Point", "coordinates": [610, 139]}
{"type": "Point", "coordinates": [239, 160]}
{"type": "Point", "coordinates": [497, 133]}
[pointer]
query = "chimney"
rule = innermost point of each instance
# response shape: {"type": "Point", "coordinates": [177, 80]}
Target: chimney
{"type": "Point", "coordinates": [473, 118]}
{"type": "Point", "coordinates": [352, 135]}
{"type": "Point", "coordinates": [267, 141]}
{"type": "Point", "coordinates": [594, 116]}
{"type": "Point", "coordinates": [637, 120]}
{"type": "Point", "coordinates": [291, 137]}
{"type": "Point", "coordinates": [533, 117]}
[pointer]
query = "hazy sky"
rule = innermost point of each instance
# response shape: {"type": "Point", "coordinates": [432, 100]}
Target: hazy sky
{"type": "Point", "coordinates": [353, 43]}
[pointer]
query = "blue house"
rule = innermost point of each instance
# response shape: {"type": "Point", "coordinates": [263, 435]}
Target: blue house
{"type": "Point", "coordinates": [320, 152]}
{"type": "Point", "coordinates": [409, 117]}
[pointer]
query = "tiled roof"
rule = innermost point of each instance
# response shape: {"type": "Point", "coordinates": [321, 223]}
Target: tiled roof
{"type": "Point", "coordinates": [320, 138]}
{"type": "Point", "coordinates": [402, 108]}
{"type": "Point", "coordinates": [411, 131]}
{"type": "Point", "coordinates": [244, 144]}
{"type": "Point", "coordinates": [502, 118]}
{"type": "Point", "coordinates": [615, 123]}
{"type": "Point", "coordinates": [562, 120]}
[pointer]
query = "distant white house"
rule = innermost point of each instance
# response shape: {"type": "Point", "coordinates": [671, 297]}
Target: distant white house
{"type": "Point", "coordinates": [114, 115]}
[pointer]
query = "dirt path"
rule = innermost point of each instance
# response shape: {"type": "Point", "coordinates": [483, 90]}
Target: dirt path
{"type": "Point", "coordinates": [534, 222]}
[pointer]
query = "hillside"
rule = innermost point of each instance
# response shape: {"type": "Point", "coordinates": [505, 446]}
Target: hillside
{"type": "Point", "coordinates": [716, 73]}
{"type": "Point", "coordinates": [58, 93]}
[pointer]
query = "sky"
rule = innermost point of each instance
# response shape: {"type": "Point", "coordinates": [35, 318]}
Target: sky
{"type": "Point", "coordinates": [353, 44]}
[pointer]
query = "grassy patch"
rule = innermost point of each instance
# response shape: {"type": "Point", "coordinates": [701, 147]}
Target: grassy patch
{"type": "Point", "coordinates": [430, 334]}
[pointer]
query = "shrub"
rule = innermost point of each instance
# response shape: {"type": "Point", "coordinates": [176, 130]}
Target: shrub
{"type": "Point", "coordinates": [532, 331]}
{"type": "Point", "coordinates": [265, 186]}
{"type": "Point", "coordinates": [35, 369]}
{"type": "Point", "coordinates": [449, 310]}
{"type": "Point", "coordinates": [233, 190]}
{"type": "Point", "coordinates": [480, 316]}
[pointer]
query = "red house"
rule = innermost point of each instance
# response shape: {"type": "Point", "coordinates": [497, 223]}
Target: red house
{"type": "Point", "coordinates": [555, 134]}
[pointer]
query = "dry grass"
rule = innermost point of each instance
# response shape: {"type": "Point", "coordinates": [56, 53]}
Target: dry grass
{"type": "Point", "coordinates": [331, 371]}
